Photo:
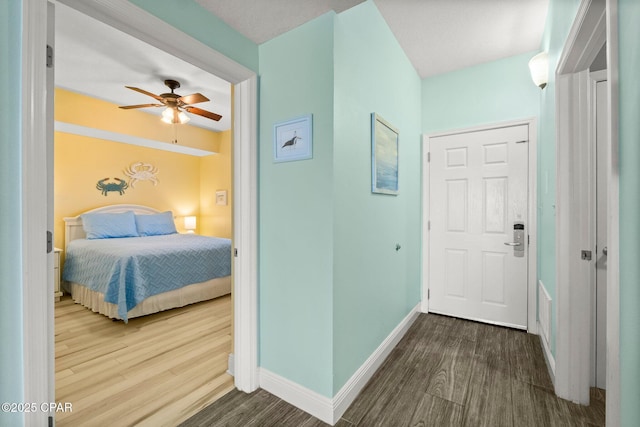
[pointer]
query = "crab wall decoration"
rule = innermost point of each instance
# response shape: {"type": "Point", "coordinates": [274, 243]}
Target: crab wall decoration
{"type": "Point", "coordinates": [141, 171]}
{"type": "Point", "coordinates": [120, 185]}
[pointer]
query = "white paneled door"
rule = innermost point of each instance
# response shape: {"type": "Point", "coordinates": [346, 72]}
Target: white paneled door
{"type": "Point", "coordinates": [478, 198]}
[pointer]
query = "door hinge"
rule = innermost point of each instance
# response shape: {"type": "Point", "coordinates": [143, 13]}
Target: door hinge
{"type": "Point", "coordinates": [49, 56]}
{"type": "Point", "coordinates": [528, 239]}
{"type": "Point", "coordinates": [49, 241]}
{"type": "Point", "coordinates": [428, 157]}
{"type": "Point", "coordinates": [50, 421]}
{"type": "Point", "coordinates": [235, 252]}
{"type": "Point", "coordinates": [428, 225]}
{"type": "Point", "coordinates": [428, 293]}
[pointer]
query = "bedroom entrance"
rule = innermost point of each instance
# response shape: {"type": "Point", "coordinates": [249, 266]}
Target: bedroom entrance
{"type": "Point", "coordinates": [128, 16]}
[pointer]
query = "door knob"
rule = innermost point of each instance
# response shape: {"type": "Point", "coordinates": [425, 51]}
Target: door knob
{"type": "Point", "coordinates": [604, 251]}
{"type": "Point", "coordinates": [512, 243]}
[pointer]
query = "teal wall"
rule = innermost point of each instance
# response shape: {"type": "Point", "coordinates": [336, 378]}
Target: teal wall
{"type": "Point", "coordinates": [296, 209]}
{"type": "Point", "coordinates": [191, 18]}
{"type": "Point", "coordinates": [559, 21]}
{"type": "Point", "coordinates": [497, 91]}
{"type": "Point", "coordinates": [629, 16]}
{"type": "Point", "coordinates": [375, 286]}
{"type": "Point", "coordinates": [11, 330]}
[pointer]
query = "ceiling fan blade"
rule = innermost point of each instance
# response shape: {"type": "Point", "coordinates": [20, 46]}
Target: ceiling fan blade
{"type": "Point", "coordinates": [146, 93]}
{"type": "Point", "coordinates": [129, 107]}
{"type": "Point", "coordinates": [203, 113]}
{"type": "Point", "coordinates": [194, 98]}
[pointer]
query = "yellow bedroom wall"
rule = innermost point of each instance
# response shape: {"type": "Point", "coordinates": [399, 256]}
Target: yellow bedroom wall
{"type": "Point", "coordinates": [80, 162]}
{"type": "Point", "coordinates": [215, 175]}
{"type": "Point", "coordinates": [78, 109]}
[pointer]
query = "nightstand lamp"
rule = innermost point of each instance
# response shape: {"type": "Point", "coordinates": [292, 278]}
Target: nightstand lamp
{"type": "Point", "coordinates": [190, 224]}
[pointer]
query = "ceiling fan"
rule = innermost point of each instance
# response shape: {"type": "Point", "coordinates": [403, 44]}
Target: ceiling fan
{"type": "Point", "coordinates": [175, 104]}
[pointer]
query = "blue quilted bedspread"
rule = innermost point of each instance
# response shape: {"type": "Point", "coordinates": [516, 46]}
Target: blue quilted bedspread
{"type": "Point", "coordinates": [128, 270]}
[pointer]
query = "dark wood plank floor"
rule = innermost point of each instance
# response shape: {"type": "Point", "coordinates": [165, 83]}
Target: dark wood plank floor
{"type": "Point", "coordinates": [444, 372]}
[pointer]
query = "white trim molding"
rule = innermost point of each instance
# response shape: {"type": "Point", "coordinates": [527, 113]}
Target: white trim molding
{"type": "Point", "coordinates": [595, 24]}
{"type": "Point", "coordinates": [548, 356]}
{"type": "Point", "coordinates": [129, 139]}
{"type": "Point", "coordinates": [245, 235]}
{"type": "Point", "coordinates": [327, 409]}
{"type": "Point", "coordinates": [37, 283]}
{"type": "Point", "coordinates": [301, 397]}
{"type": "Point", "coordinates": [532, 200]}
{"type": "Point", "coordinates": [348, 393]}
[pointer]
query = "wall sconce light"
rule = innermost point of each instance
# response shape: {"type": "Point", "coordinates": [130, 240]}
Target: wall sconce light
{"type": "Point", "coordinates": [173, 115]}
{"type": "Point", "coordinates": [539, 67]}
{"type": "Point", "coordinates": [190, 223]}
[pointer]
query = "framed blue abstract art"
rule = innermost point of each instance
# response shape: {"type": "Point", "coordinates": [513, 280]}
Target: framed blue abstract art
{"type": "Point", "coordinates": [384, 156]}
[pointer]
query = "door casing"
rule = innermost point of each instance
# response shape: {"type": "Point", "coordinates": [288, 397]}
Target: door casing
{"type": "Point", "coordinates": [595, 24]}
{"type": "Point", "coordinates": [37, 300]}
{"type": "Point", "coordinates": [532, 326]}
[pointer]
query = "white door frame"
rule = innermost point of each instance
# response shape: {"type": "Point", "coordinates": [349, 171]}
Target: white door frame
{"type": "Point", "coordinates": [595, 24]}
{"type": "Point", "coordinates": [132, 20]}
{"type": "Point", "coordinates": [594, 78]}
{"type": "Point", "coordinates": [532, 325]}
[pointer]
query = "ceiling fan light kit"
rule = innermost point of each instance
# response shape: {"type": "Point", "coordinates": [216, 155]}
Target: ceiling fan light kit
{"type": "Point", "coordinates": [175, 104]}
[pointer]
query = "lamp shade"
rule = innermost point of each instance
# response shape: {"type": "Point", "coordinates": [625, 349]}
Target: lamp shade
{"type": "Point", "coordinates": [190, 223]}
{"type": "Point", "coordinates": [539, 68]}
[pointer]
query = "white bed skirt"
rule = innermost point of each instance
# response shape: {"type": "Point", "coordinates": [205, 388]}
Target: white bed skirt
{"type": "Point", "coordinates": [186, 295]}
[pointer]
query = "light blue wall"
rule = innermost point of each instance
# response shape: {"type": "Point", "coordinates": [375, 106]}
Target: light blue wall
{"type": "Point", "coordinates": [375, 286]}
{"type": "Point", "coordinates": [629, 16]}
{"type": "Point", "coordinates": [296, 209]}
{"type": "Point", "coordinates": [11, 370]}
{"type": "Point", "coordinates": [199, 23]}
{"type": "Point", "coordinates": [559, 21]}
{"type": "Point", "coordinates": [497, 91]}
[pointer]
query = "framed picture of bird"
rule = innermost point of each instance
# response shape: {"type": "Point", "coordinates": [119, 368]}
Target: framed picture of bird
{"type": "Point", "coordinates": [384, 156]}
{"type": "Point", "coordinates": [293, 139]}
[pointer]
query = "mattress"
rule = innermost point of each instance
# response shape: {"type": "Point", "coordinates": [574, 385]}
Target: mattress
{"type": "Point", "coordinates": [129, 270]}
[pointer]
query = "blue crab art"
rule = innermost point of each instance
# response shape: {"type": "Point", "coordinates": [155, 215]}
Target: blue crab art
{"type": "Point", "coordinates": [106, 187]}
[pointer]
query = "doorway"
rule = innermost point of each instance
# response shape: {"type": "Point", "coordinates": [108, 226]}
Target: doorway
{"type": "Point", "coordinates": [38, 345]}
{"type": "Point", "coordinates": [479, 224]}
{"type": "Point", "coordinates": [595, 24]}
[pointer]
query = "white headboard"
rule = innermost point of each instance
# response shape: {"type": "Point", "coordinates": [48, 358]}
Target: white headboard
{"type": "Point", "coordinates": [73, 225]}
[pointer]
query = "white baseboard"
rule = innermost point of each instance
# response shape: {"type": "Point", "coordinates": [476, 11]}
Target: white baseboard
{"type": "Point", "coordinates": [327, 409]}
{"type": "Point", "coordinates": [548, 357]}
{"type": "Point", "coordinates": [348, 393]}
{"type": "Point", "coordinates": [230, 367]}
{"type": "Point", "coordinates": [301, 397]}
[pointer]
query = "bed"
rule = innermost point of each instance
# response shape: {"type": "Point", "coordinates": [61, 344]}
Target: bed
{"type": "Point", "coordinates": [124, 271]}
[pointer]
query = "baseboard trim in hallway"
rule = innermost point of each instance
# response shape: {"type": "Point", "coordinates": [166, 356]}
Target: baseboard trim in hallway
{"type": "Point", "coordinates": [327, 409]}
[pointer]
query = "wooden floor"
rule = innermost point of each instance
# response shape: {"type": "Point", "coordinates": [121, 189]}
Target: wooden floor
{"type": "Point", "coordinates": [157, 370]}
{"type": "Point", "coordinates": [444, 372]}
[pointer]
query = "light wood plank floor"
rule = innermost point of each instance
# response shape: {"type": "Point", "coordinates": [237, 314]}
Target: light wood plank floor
{"type": "Point", "coordinates": [156, 370]}
{"type": "Point", "coordinates": [444, 372]}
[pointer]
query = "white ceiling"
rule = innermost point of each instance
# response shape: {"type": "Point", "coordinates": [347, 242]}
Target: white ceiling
{"type": "Point", "coordinates": [95, 59]}
{"type": "Point", "coordinates": [438, 36]}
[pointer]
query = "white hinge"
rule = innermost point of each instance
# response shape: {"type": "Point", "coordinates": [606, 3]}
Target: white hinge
{"type": "Point", "coordinates": [428, 225]}
{"type": "Point", "coordinates": [428, 157]}
{"type": "Point", "coordinates": [49, 56]}
{"type": "Point", "coordinates": [428, 293]}
{"type": "Point", "coordinates": [528, 239]}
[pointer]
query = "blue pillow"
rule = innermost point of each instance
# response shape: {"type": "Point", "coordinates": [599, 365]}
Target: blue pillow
{"type": "Point", "coordinates": [156, 224]}
{"type": "Point", "coordinates": [109, 225]}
